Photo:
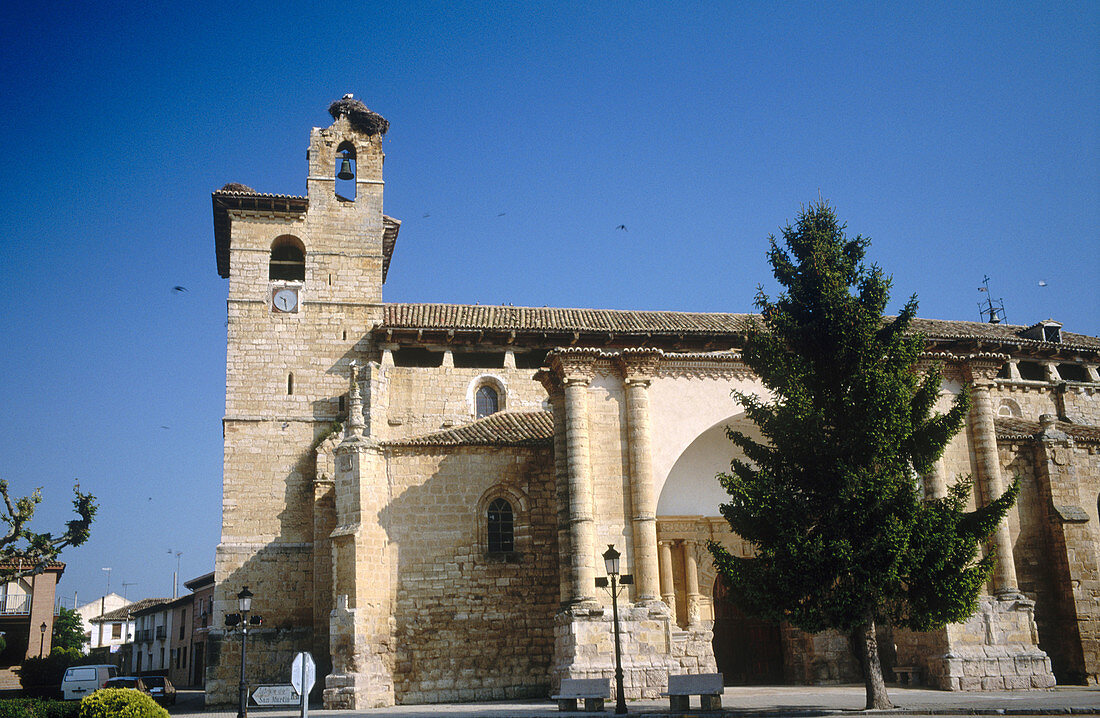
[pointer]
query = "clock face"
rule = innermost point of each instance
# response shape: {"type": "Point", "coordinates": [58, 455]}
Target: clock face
{"type": "Point", "coordinates": [285, 300]}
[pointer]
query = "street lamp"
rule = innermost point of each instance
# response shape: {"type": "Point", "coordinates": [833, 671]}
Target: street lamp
{"type": "Point", "coordinates": [42, 642]}
{"type": "Point", "coordinates": [611, 565]}
{"type": "Point", "coordinates": [244, 620]}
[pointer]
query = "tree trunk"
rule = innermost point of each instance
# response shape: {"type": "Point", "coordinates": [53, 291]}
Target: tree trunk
{"type": "Point", "coordinates": [872, 667]}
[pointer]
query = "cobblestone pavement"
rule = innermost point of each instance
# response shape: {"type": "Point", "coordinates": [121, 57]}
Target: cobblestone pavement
{"type": "Point", "coordinates": [804, 701]}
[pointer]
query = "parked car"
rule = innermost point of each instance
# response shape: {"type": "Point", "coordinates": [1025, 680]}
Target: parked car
{"type": "Point", "coordinates": [161, 689]}
{"type": "Point", "coordinates": [80, 681]}
{"type": "Point", "coordinates": [134, 682]}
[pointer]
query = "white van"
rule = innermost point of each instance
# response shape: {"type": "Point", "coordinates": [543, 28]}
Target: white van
{"type": "Point", "coordinates": [80, 681]}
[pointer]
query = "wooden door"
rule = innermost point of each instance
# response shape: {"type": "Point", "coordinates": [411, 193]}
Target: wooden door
{"type": "Point", "coordinates": [748, 650]}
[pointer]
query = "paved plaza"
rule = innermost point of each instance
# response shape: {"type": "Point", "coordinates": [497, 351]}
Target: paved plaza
{"type": "Point", "coordinates": [739, 701]}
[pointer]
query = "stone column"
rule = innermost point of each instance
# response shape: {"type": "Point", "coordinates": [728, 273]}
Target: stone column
{"type": "Point", "coordinates": [668, 588]}
{"type": "Point", "coordinates": [638, 368]}
{"type": "Point", "coordinates": [575, 370]}
{"type": "Point", "coordinates": [551, 381]}
{"type": "Point", "coordinates": [935, 482]}
{"type": "Point", "coordinates": [691, 575]}
{"type": "Point", "coordinates": [981, 372]}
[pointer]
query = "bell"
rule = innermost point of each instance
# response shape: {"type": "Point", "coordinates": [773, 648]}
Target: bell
{"type": "Point", "coordinates": [345, 172]}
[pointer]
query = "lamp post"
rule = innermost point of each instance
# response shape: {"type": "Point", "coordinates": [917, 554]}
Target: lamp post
{"type": "Point", "coordinates": [42, 641]}
{"type": "Point", "coordinates": [611, 565]}
{"type": "Point", "coordinates": [242, 618]}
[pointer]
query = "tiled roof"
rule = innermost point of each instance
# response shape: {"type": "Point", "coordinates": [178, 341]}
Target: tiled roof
{"type": "Point", "coordinates": [506, 428]}
{"type": "Point", "coordinates": [466, 316]}
{"type": "Point", "coordinates": [1008, 333]}
{"type": "Point", "coordinates": [1012, 428]}
{"type": "Point", "coordinates": [120, 614]}
{"type": "Point", "coordinates": [207, 579]}
{"type": "Point", "coordinates": [16, 563]}
{"type": "Point", "coordinates": [553, 319]}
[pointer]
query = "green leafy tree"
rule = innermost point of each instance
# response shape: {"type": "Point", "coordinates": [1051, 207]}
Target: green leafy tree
{"type": "Point", "coordinates": [68, 630]}
{"type": "Point", "coordinates": [831, 499]}
{"type": "Point", "coordinates": [24, 552]}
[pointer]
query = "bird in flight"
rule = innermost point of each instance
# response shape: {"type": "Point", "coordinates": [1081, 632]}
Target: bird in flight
{"type": "Point", "coordinates": [502, 214]}
{"type": "Point", "coordinates": [179, 288]}
{"type": "Point", "coordinates": [1042, 282]}
{"type": "Point", "coordinates": [622, 227]}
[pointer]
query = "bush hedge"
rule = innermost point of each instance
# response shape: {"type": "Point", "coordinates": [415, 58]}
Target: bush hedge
{"type": "Point", "coordinates": [34, 708]}
{"type": "Point", "coordinates": [120, 703]}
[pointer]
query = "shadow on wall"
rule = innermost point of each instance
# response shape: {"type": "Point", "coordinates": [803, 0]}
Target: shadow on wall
{"type": "Point", "coordinates": [691, 488]}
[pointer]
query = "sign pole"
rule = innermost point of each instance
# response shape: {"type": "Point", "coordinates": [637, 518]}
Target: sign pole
{"type": "Point", "coordinates": [305, 692]}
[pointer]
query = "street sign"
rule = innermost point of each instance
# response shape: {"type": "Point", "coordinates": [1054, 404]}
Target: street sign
{"type": "Point", "coordinates": [303, 670]}
{"type": "Point", "coordinates": [275, 696]}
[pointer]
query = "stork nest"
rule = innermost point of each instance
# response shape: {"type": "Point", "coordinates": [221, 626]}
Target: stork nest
{"type": "Point", "coordinates": [359, 116]}
{"type": "Point", "coordinates": [237, 187]}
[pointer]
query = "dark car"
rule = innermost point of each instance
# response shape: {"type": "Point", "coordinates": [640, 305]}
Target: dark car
{"type": "Point", "coordinates": [133, 682]}
{"type": "Point", "coordinates": [161, 689]}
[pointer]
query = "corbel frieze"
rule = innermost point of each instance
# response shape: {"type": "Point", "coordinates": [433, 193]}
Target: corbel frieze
{"type": "Point", "coordinates": [724, 365]}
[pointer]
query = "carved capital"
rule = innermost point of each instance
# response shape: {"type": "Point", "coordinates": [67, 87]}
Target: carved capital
{"type": "Point", "coordinates": [980, 369]}
{"type": "Point", "coordinates": [639, 366]}
{"type": "Point", "coordinates": [574, 366]}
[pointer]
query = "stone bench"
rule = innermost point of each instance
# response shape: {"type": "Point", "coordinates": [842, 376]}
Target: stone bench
{"type": "Point", "coordinates": [593, 691]}
{"type": "Point", "coordinates": [907, 675]}
{"type": "Point", "coordinates": [708, 686]}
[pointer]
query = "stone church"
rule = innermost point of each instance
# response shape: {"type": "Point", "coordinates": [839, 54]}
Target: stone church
{"type": "Point", "coordinates": [420, 494]}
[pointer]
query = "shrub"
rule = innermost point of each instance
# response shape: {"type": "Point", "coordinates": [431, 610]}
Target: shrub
{"type": "Point", "coordinates": [34, 708]}
{"type": "Point", "coordinates": [41, 677]}
{"type": "Point", "coordinates": [120, 703]}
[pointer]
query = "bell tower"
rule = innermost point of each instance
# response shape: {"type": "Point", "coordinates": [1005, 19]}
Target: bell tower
{"type": "Point", "coordinates": [305, 288]}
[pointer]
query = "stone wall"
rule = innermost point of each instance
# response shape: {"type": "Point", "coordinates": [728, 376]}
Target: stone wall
{"type": "Point", "coordinates": [471, 625]}
{"type": "Point", "coordinates": [422, 400]}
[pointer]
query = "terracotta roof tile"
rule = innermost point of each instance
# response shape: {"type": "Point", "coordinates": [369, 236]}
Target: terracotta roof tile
{"type": "Point", "coordinates": [16, 563]}
{"type": "Point", "coordinates": [506, 318]}
{"type": "Point", "coordinates": [1012, 428]}
{"type": "Point", "coordinates": [1008, 333]}
{"type": "Point", "coordinates": [506, 428]}
{"type": "Point", "coordinates": [465, 316]}
{"type": "Point", "coordinates": [120, 614]}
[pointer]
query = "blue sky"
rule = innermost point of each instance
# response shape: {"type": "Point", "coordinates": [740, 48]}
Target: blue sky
{"type": "Point", "coordinates": [962, 138]}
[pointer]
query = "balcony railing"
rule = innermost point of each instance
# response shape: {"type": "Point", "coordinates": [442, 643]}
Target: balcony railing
{"type": "Point", "coordinates": [143, 636]}
{"type": "Point", "coordinates": [19, 605]}
{"type": "Point", "coordinates": [162, 633]}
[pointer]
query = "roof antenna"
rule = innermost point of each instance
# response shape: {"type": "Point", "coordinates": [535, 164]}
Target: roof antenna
{"type": "Point", "coordinates": [992, 312]}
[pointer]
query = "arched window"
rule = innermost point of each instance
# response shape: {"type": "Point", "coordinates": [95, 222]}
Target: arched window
{"type": "Point", "coordinates": [486, 401]}
{"type": "Point", "coordinates": [501, 528]}
{"type": "Point", "coordinates": [288, 260]}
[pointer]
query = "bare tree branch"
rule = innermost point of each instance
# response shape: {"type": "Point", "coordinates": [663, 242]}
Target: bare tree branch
{"type": "Point", "coordinates": [24, 552]}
